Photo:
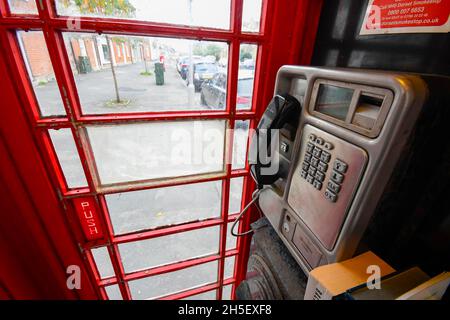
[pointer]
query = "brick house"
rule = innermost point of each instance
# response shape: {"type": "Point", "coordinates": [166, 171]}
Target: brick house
{"type": "Point", "coordinates": [87, 52]}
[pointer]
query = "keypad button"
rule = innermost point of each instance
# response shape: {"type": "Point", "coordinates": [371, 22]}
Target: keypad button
{"type": "Point", "coordinates": [314, 161]}
{"type": "Point", "coordinates": [340, 166]}
{"type": "Point", "coordinates": [319, 141]}
{"type": "Point", "coordinates": [337, 177]}
{"type": "Point", "coordinates": [312, 171]}
{"type": "Point", "coordinates": [310, 178]}
{"type": "Point", "coordinates": [334, 187]}
{"type": "Point", "coordinates": [309, 147]}
{"type": "Point", "coordinates": [303, 174]}
{"type": "Point", "coordinates": [312, 137]}
{"type": "Point", "coordinates": [330, 196]}
{"type": "Point", "coordinates": [320, 176]}
{"type": "Point", "coordinates": [317, 184]}
{"type": "Point", "coordinates": [322, 166]}
{"type": "Point", "coordinates": [305, 165]}
{"type": "Point", "coordinates": [328, 146]}
{"type": "Point", "coordinates": [308, 157]}
{"type": "Point", "coordinates": [325, 156]}
{"type": "Point", "coordinates": [316, 152]}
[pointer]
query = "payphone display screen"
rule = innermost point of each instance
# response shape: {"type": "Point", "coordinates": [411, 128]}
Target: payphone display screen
{"type": "Point", "coordinates": [334, 101]}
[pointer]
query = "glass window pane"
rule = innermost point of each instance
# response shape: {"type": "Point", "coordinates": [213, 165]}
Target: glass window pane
{"type": "Point", "coordinates": [149, 209]}
{"type": "Point", "coordinates": [22, 6]}
{"type": "Point", "coordinates": [246, 76]}
{"type": "Point", "coordinates": [229, 267]}
{"type": "Point", "coordinates": [174, 282]}
{"type": "Point", "coordinates": [236, 187]}
{"type": "Point", "coordinates": [251, 15]}
{"type": "Point", "coordinates": [103, 262]}
{"type": "Point", "coordinates": [40, 72]}
{"type": "Point", "coordinates": [240, 138]}
{"type": "Point", "coordinates": [113, 292]}
{"type": "Point", "coordinates": [154, 150]}
{"type": "Point", "coordinates": [177, 247]}
{"type": "Point", "coordinates": [208, 295]}
{"type": "Point", "coordinates": [226, 292]}
{"type": "Point", "coordinates": [68, 157]}
{"type": "Point", "coordinates": [147, 74]}
{"type": "Point", "coordinates": [231, 240]}
{"type": "Point", "coordinates": [205, 13]}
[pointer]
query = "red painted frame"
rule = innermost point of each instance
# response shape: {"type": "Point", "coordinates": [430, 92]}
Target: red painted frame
{"type": "Point", "coordinates": [284, 44]}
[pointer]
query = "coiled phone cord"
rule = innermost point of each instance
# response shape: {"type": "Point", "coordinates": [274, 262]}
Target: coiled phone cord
{"type": "Point", "coordinates": [255, 197]}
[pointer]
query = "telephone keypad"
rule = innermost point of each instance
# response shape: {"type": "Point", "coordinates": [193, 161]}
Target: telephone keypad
{"type": "Point", "coordinates": [319, 141]}
{"type": "Point", "coordinates": [308, 157]}
{"type": "Point", "coordinates": [316, 152]}
{"type": "Point", "coordinates": [333, 186]}
{"type": "Point", "coordinates": [340, 166]}
{"type": "Point", "coordinates": [320, 176]}
{"type": "Point", "coordinates": [325, 156]}
{"type": "Point", "coordinates": [314, 166]}
{"type": "Point", "coordinates": [314, 161]}
{"type": "Point", "coordinates": [335, 183]}
{"type": "Point", "coordinates": [305, 165]}
{"type": "Point", "coordinates": [322, 166]}
{"type": "Point", "coordinates": [337, 177]}
{"type": "Point", "coordinates": [328, 146]}
{"type": "Point", "coordinates": [330, 196]}
{"type": "Point", "coordinates": [317, 184]}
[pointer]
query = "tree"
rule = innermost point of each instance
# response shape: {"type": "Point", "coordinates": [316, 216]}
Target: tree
{"type": "Point", "coordinates": [116, 8]}
{"type": "Point", "coordinates": [245, 55]}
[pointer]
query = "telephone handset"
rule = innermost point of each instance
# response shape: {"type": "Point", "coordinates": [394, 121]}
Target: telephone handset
{"type": "Point", "coordinates": [282, 110]}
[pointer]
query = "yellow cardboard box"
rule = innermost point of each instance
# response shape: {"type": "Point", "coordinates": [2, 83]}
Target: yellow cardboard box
{"type": "Point", "coordinates": [328, 281]}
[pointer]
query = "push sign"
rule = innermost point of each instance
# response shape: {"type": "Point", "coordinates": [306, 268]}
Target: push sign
{"type": "Point", "coordinates": [87, 214]}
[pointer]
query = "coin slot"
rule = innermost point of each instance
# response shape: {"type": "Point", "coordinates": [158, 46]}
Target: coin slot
{"type": "Point", "coordinates": [367, 110]}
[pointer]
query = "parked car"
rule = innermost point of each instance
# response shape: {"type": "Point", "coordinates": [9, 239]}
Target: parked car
{"type": "Point", "coordinates": [203, 72]}
{"type": "Point", "coordinates": [213, 92]}
{"type": "Point", "coordinates": [183, 64]}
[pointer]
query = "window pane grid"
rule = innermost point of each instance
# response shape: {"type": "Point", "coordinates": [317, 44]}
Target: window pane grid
{"type": "Point", "coordinates": [123, 286]}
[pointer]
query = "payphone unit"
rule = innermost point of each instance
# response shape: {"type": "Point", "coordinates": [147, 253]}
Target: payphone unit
{"type": "Point", "coordinates": [353, 130]}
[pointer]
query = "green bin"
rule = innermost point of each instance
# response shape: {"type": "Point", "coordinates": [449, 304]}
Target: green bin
{"type": "Point", "coordinates": [84, 64]}
{"type": "Point", "coordinates": [159, 73]}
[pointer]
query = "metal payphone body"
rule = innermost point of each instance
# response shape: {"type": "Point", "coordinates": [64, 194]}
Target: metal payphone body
{"type": "Point", "coordinates": [353, 128]}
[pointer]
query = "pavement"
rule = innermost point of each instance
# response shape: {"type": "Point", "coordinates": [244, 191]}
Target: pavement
{"type": "Point", "coordinates": [139, 92]}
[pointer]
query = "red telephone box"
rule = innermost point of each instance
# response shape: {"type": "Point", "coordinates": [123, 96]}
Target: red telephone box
{"type": "Point", "coordinates": [69, 160]}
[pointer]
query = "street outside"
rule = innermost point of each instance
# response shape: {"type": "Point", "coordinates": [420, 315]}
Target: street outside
{"type": "Point", "coordinates": [149, 208]}
{"type": "Point", "coordinates": [139, 92]}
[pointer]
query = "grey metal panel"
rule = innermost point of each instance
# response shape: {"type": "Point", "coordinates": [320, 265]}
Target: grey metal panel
{"type": "Point", "coordinates": [322, 216]}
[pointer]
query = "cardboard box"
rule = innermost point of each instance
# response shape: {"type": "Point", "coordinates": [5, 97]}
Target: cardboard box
{"type": "Point", "coordinates": [392, 286]}
{"type": "Point", "coordinates": [328, 281]}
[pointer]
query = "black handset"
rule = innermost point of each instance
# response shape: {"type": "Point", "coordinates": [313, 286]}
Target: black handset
{"type": "Point", "coordinates": [282, 110]}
